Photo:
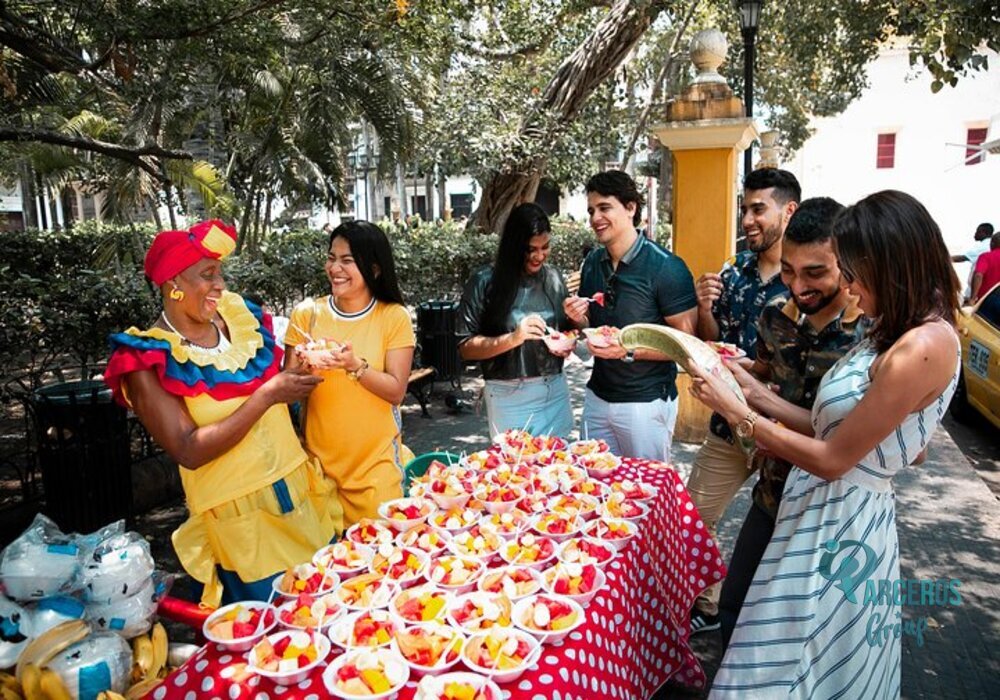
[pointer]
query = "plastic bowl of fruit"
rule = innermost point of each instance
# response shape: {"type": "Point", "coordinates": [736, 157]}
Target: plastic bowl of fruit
{"type": "Point", "coordinates": [586, 550]}
{"type": "Point", "coordinates": [369, 532]}
{"type": "Point", "coordinates": [614, 531]}
{"type": "Point", "coordinates": [311, 612]}
{"type": "Point", "coordinates": [404, 513]}
{"type": "Point", "coordinates": [448, 492]}
{"type": "Point", "coordinates": [318, 352]}
{"type": "Point", "coordinates": [288, 657]}
{"type": "Point", "coordinates": [599, 465]}
{"type": "Point", "coordinates": [560, 343]}
{"type": "Point", "coordinates": [455, 520]}
{"type": "Point", "coordinates": [426, 538]}
{"type": "Point", "coordinates": [558, 526]}
{"type": "Point", "coordinates": [529, 550]}
{"type": "Point", "coordinates": [575, 505]}
{"type": "Point", "coordinates": [549, 619]}
{"type": "Point", "coordinates": [506, 525]}
{"type": "Point", "coordinates": [616, 505]}
{"type": "Point", "coordinates": [481, 543]}
{"type": "Point", "coordinates": [422, 605]}
{"type": "Point", "coordinates": [404, 565]}
{"type": "Point", "coordinates": [450, 686]}
{"type": "Point", "coordinates": [238, 626]}
{"type": "Point", "coordinates": [602, 336]}
{"type": "Point", "coordinates": [366, 592]}
{"type": "Point", "coordinates": [478, 611]}
{"type": "Point", "coordinates": [586, 447]}
{"type": "Point", "coordinates": [429, 649]}
{"type": "Point", "coordinates": [578, 582]}
{"type": "Point", "coordinates": [635, 490]}
{"type": "Point", "coordinates": [366, 674]}
{"type": "Point", "coordinates": [368, 629]}
{"type": "Point", "coordinates": [454, 573]}
{"type": "Point", "coordinates": [501, 499]}
{"type": "Point", "coordinates": [305, 578]}
{"type": "Point", "coordinates": [515, 582]}
{"type": "Point", "coordinates": [501, 653]}
{"type": "Point", "coordinates": [346, 558]}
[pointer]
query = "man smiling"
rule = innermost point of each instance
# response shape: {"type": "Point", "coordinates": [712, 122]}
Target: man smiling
{"type": "Point", "coordinates": [729, 305]}
{"type": "Point", "coordinates": [631, 398]}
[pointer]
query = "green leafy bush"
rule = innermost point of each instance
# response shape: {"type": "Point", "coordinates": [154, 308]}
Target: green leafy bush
{"type": "Point", "coordinates": [63, 292]}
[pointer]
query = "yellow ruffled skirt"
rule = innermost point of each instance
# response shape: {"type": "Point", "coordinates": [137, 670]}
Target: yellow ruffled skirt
{"type": "Point", "coordinates": [262, 533]}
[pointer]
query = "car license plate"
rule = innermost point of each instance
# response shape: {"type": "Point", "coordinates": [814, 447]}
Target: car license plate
{"type": "Point", "coordinates": [979, 358]}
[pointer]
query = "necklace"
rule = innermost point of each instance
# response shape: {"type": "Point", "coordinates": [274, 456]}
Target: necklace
{"type": "Point", "coordinates": [221, 343]}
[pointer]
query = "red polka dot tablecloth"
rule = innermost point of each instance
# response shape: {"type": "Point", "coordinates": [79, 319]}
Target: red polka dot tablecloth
{"type": "Point", "coordinates": [634, 640]}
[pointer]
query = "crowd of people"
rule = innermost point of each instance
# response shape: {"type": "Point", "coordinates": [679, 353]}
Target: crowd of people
{"type": "Point", "coordinates": [844, 316]}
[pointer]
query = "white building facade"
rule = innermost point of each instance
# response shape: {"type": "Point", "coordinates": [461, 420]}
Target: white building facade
{"type": "Point", "coordinates": [896, 136]}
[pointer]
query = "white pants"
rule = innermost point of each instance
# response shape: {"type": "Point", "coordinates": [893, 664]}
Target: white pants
{"type": "Point", "coordinates": [643, 430]}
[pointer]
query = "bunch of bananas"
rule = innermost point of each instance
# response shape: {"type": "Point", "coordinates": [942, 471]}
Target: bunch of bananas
{"type": "Point", "coordinates": [33, 680]}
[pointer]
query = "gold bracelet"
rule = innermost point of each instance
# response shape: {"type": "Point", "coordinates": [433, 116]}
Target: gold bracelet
{"type": "Point", "coordinates": [356, 374]}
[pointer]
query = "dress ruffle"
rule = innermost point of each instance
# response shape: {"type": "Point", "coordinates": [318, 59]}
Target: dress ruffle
{"type": "Point", "coordinates": [183, 371]}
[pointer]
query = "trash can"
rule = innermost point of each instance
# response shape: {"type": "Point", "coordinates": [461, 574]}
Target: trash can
{"type": "Point", "coordinates": [83, 452]}
{"type": "Point", "coordinates": [436, 332]}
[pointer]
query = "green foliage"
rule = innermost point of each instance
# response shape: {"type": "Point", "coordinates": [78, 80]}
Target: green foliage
{"type": "Point", "coordinates": [62, 293]}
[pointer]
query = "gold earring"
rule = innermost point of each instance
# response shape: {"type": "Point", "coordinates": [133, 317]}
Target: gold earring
{"type": "Point", "coordinates": [177, 294]}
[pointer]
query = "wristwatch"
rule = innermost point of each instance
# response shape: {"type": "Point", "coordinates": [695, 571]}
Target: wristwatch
{"type": "Point", "coordinates": [629, 356]}
{"type": "Point", "coordinates": [744, 429]}
{"type": "Point", "coordinates": [355, 375]}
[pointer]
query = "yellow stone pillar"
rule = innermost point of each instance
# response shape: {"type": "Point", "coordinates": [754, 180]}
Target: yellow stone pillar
{"type": "Point", "coordinates": [705, 130]}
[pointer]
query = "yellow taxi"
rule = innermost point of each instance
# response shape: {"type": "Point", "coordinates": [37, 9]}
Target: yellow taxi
{"type": "Point", "coordinates": [979, 385]}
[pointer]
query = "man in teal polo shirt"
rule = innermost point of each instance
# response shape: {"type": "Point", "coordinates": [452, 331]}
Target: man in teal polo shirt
{"type": "Point", "coordinates": [631, 398]}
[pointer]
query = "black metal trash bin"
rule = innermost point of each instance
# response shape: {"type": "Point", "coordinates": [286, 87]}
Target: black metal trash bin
{"type": "Point", "coordinates": [83, 452]}
{"type": "Point", "coordinates": [438, 338]}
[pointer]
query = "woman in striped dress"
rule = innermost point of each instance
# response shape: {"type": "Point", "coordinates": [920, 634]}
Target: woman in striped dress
{"type": "Point", "coordinates": [813, 624]}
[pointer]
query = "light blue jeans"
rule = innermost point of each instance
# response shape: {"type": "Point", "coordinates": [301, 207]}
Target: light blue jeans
{"type": "Point", "coordinates": [540, 403]}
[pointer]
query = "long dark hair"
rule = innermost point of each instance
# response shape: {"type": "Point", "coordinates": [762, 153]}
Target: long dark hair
{"type": "Point", "coordinates": [891, 244]}
{"type": "Point", "coordinates": [371, 250]}
{"type": "Point", "coordinates": [524, 222]}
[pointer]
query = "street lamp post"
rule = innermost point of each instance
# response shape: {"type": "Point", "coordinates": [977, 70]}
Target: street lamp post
{"type": "Point", "coordinates": [749, 15]}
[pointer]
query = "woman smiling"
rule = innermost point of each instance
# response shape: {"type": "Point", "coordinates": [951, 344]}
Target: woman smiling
{"type": "Point", "coordinates": [352, 420]}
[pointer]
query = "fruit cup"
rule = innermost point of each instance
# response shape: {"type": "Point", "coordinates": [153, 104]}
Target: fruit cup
{"type": "Point", "coordinates": [239, 626]}
{"type": "Point", "coordinates": [363, 674]}
{"type": "Point", "coordinates": [574, 581]}
{"type": "Point", "coordinates": [288, 658]}
{"type": "Point", "coordinates": [457, 686]}
{"type": "Point", "coordinates": [405, 513]}
{"type": "Point", "coordinates": [501, 654]}
{"type": "Point", "coordinates": [429, 649]}
{"type": "Point", "coordinates": [549, 619]}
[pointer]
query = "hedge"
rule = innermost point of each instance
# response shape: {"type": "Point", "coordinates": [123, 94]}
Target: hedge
{"type": "Point", "coordinates": [63, 292]}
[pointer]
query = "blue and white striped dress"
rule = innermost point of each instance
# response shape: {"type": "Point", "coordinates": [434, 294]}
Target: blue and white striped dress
{"type": "Point", "coordinates": [799, 635]}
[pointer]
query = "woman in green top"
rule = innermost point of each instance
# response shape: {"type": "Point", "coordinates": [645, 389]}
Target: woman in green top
{"type": "Point", "coordinates": [506, 311]}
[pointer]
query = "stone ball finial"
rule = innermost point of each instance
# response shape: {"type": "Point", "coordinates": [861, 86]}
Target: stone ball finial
{"type": "Point", "coordinates": [708, 52]}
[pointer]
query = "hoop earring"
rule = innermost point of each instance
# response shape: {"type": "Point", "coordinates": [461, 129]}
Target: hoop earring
{"type": "Point", "coordinates": [177, 294]}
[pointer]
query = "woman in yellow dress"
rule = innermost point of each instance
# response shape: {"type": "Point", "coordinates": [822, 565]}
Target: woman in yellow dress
{"type": "Point", "coordinates": [352, 420]}
{"type": "Point", "coordinates": [206, 381]}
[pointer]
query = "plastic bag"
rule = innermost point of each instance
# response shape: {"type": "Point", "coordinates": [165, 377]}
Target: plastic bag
{"type": "Point", "coordinates": [50, 612]}
{"type": "Point", "coordinates": [132, 616]}
{"type": "Point", "coordinates": [16, 630]}
{"type": "Point", "coordinates": [118, 567]}
{"type": "Point", "coordinates": [102, 661]}
{"type": "Point", "coordinates": [42, 562]}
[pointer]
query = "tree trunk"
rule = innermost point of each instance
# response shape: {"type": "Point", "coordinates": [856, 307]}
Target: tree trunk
{"type": "Point", "coordinates": [28, 211]}
{"type": "Point", "coordinates": [587, 67]}
{"type": "Point", "coordinates": [43, 218]}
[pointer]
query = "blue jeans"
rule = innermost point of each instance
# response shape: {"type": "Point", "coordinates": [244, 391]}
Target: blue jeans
{"type": "Point", "coordinates": [540, 403]}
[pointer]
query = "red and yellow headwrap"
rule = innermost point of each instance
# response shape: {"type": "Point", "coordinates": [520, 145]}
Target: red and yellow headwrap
{"type": "Point", "coordinates": [173, 252]}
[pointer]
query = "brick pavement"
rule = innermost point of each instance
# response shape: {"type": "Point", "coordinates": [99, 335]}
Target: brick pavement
{"type": "Point", "coordinates": [949, 527]}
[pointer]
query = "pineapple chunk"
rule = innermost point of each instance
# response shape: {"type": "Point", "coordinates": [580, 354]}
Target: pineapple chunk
{"type": "Point", "coordinates": [561, 623]}
{"type": "Point", "coordinates": [376, 680]}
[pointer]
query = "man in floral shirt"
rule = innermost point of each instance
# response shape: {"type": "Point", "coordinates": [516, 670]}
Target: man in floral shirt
{"type": "Point", "coordinates": [801, 335]}
{"type": "Point", "coordinates": [729, 306]}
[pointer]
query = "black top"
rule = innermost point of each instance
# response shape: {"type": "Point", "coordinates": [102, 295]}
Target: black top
{"type": "Point", "coordinates": [542, 294]}
{"type": "Point", "coordinates": [650, 284]}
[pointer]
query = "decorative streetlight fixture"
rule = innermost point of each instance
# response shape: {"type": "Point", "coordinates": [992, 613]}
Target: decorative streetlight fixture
{"type": "Point", "coordinates": [749, 15]}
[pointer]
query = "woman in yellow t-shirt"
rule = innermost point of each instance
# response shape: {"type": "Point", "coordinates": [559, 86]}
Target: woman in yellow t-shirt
{"type": "Point", "coordinates": [352, 420]}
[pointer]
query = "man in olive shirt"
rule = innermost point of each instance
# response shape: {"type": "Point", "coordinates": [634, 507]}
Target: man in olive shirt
{"type": "Point", "coordinates": [800, 336]}
{"type": "Point", "coordinates": [631, 398]}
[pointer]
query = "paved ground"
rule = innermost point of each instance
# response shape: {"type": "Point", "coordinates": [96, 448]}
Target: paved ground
{"type": "Point", "coordinates": [949, 528]}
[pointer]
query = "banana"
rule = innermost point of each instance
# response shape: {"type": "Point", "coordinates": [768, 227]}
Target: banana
{"type": "Point", "coordinates": [110, 695]}
{"type": "Point", "coordinates": [160, 649]}
{"type": "Point", "coordinates": [142, 688]}
{"type": "Point", "coordinates": [43, 649]}
{"type": "Point", "coordinates": [53, 687]}
{"type": "Point", "coordinates": [142, 657]}
{"type": "Point", "coordinates": [31, 682]}
{"type": "Point", "coordinates": [9, 693]}
{"type": "Point", "coordinates": [8, 681]}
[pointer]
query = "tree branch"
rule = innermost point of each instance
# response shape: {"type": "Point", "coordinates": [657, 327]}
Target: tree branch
{"type": "Point", "coordinates": [204, 30]}
{"type": "Point", "coordinates": [131, 154]}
